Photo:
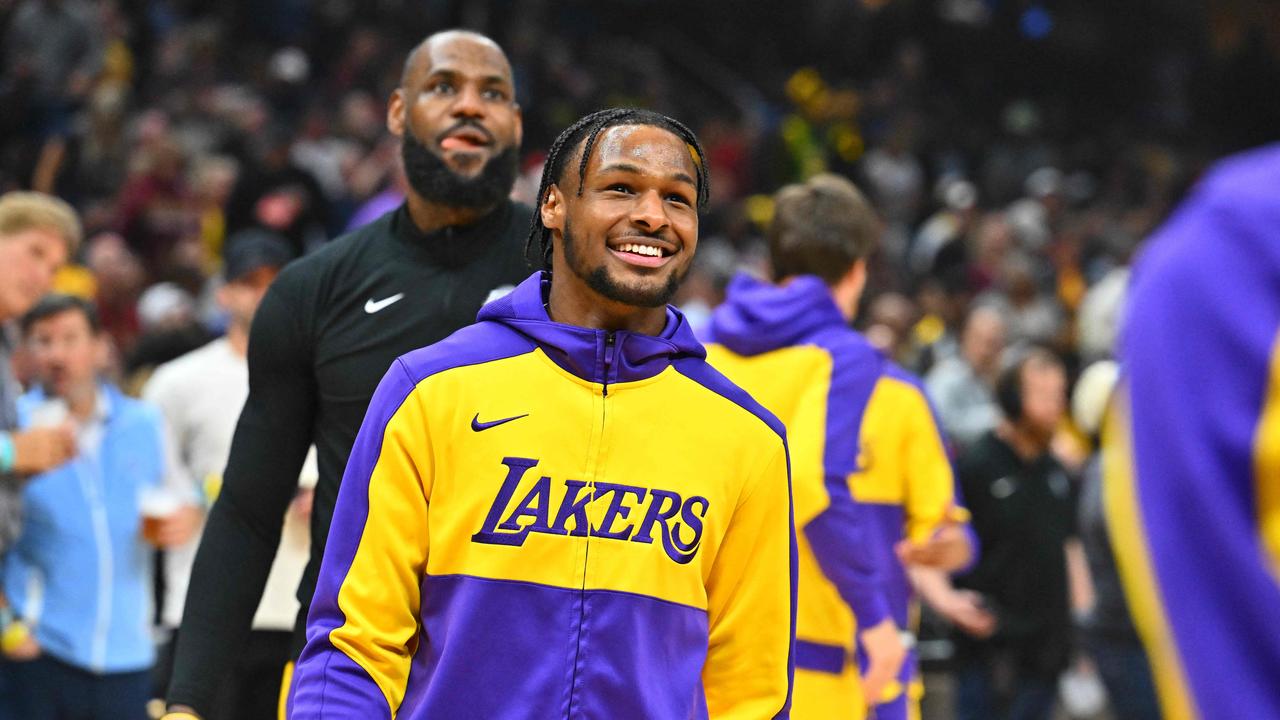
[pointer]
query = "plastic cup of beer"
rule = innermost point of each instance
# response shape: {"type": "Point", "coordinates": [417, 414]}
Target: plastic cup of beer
{"type": "Point", "coordinates": [157, 504]}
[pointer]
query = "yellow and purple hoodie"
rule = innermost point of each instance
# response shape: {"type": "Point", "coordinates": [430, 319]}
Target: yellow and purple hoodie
{"type": "Point", "coordinates": [546, 521]}
{"type": "Point", "coordinates": [868, 467]}
{"type": "Point", "coordinates": [1191, 454]}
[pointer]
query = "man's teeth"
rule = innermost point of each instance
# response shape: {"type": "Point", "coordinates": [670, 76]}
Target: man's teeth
{"type": "Point", "coordinates": [649, 250]}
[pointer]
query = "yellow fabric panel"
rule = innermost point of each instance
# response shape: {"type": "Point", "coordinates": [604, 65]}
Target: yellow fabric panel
{"type": "Point", "coordinates": [380, 595]}
{"type": "Point", "coordinates": [903, 460]}
{"type": "Point", "coordinates": [748, 648]}
{"type": "Point", "coordinates": [286, 683]}
{"type": "Point", "coordinates": [793, 383]}
{"type": "Point", "coordinates": [1267, 464]}
{"type": "Point", "coordinates": [1133, 559]}
{"type": "Point", "coordinates": [823, 696]}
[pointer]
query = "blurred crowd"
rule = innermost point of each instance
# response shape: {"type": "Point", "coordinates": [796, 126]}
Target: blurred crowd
{"type": "Point", "coordinates": [1018, 153]}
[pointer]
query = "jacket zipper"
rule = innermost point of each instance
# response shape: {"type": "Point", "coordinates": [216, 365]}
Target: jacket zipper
{"type": "Point", "coordinates": [610, 348]}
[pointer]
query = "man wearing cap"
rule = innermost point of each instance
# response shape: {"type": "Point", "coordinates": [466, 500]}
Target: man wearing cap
{"type": "Point", "coordinates": [334, 322]}
{"type": "Point", "coordinates": [200, 395]}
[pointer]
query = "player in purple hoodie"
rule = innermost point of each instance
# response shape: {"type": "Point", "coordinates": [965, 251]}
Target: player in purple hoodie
{"type": "Point", "coordinates": [873, 489]}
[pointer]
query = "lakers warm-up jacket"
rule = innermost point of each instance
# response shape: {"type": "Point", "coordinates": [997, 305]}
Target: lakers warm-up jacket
{"type": "Point", "coordinates": [1191, 455]}
{"type": "Point", "coordinates": [868, 467]}
{"type": "Point", "coordinates": [545, 521]}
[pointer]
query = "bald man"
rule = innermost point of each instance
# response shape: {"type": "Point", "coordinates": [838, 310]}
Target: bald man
{"type": "Point", "coordinates": [334, 321]}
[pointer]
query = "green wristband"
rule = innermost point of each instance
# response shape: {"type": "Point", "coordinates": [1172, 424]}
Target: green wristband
{"type": "Point", "coordinates": [6, 452]}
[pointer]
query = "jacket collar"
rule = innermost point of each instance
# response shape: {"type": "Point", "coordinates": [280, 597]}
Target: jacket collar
{"type": "Point", "coordinates": [594, 355]}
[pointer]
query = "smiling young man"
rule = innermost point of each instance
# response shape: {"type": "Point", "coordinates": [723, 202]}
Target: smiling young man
{"type": "Point", "coordinates": [562, 511]}
{"type": "Point", "coordinates": [334, 321]}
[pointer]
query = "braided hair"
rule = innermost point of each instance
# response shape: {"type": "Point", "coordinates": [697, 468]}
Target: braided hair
{"type": "Point", "coordinates": [584, 132]}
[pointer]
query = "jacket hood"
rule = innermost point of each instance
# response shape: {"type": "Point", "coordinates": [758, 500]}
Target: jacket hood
{"type": "Point", "coordinates": [587, 353]}
{"type": "Point", "coordinates": [758, 317]}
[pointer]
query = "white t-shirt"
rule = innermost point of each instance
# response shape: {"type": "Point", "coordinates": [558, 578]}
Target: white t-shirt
{"type": "Point", "coordinates": [201, 395]}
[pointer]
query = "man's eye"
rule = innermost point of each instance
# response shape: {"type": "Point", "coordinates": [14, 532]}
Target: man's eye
{"type": "Point", "coordinates": [493, 95]}
{"type": "Point", "coordinates": [442, 88]}
{"type": "Point", "coordinates": [678, 198]}
{"type": "Point", "coordinates": [619, 187]}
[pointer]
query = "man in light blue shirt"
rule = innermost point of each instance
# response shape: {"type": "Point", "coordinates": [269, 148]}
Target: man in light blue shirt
{"type": "Point", "coordinates": [79, 574]}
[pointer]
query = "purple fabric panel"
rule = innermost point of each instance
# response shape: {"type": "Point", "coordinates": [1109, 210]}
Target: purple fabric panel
{"type": "Point", "coordinates": [885, 521]}
{"type": "Point", "coordinates": [583, 351]}
{"type": "Point", "coordinates": [326, 682]}
{"type": "Point", "coordinates": [1203, 316]}
{"type": "Point", "coordinates": [640, 658]}
{"type": "Point", "coordinates": [758, 317]}
{"type": "Point", "coordinates": [506, 650]}
{"type": "Point", "coordinates": [820, 657]}
{"type": "Point", "coordinates": [846, 548]}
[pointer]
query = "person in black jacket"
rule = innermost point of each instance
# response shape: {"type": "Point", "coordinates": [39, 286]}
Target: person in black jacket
{"type": "Point", "coordinates": [1012, 648]}
{"type": "Point", "coordinates": [334, 321]}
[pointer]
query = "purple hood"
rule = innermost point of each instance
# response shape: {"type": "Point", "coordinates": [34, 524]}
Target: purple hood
{"type": "Point", "coordinates": [585, 352]}
{"type": "Point", "coordinates": [758, 317]}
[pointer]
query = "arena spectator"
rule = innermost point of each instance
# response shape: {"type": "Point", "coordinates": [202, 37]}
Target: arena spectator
{"type": "Point", "coordinates": [962, 387]}
{"type": "Point", "coordinates": [1012, 608]}
{"type": "Point", "coordinates": [200, 395]}
{"type": "Point", "coordinates": [79, 575]}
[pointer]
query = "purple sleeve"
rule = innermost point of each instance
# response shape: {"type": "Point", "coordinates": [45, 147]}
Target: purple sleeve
{"type": "Point", "coordinates": [1198, 352]}
{"type": "Point", "coordinates": [846, 546]}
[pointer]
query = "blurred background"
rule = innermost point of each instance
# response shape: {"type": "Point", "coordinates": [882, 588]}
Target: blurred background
{"type": "Point", "coordinates": [1018, 151]}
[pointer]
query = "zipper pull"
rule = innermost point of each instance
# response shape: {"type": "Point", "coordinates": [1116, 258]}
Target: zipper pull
{"type": "Point", "coordinates": [609, 340]}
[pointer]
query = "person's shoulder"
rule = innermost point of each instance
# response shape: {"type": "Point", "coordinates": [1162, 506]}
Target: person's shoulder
{"type": "Point", "coordinates": [702, 373]}
{"type": "Point", "coordinates": [188, 367]}
{"type": "Point", "coordinates": [474, 344]}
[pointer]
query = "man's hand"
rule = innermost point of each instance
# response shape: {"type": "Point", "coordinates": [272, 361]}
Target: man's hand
{"type": "Point", "coordinates": [965, 610]}
{"type": "Point", "coordinates": [176, 529]}
{"type": "Point", "coordinates": [885, 654]}
{"type": "Point", "coordinates": [41, 449]}
{"type": "Point", "coordinates": [947, 549]}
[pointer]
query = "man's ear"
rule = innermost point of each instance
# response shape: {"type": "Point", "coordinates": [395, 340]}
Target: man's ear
{"type": "Point", "coordinates": [519, 126]}
{"type": "Point", "coordinates": [553, 209]}
{"type": "Point", "coordinates": [395, 113]}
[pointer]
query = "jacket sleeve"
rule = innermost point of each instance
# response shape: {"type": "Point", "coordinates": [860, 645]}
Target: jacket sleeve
{"type": "Point", "coordinates": [750, 607]}
{"type": "Point", "coordinates": [846, 546]}
{"type": "Point", "coordinates": [1191, 454]}
{"type": "Point", "coordinates": [933, 495]}
{"type": "Point", "coordinates": [362, 631]}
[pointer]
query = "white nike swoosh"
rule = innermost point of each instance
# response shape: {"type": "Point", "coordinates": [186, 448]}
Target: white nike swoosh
{"type": "Point", "coordinates": [372, 306]}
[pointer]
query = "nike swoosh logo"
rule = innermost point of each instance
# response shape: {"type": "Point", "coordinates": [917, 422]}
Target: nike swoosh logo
{"type": "Point", "coordinates": [372, 306]}
{"type": "Point", "coordinates": [478, 426]}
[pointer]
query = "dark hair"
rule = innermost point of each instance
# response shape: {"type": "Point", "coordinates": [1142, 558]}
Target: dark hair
{"type": "Point", "coordinates": [584, 132]}
{"type": "Point", "coordinates": [1009, 384]}
{"type": "Point", "coordinates": [820, 227]}
{"type": "Point", "coordinates": [56, 304]}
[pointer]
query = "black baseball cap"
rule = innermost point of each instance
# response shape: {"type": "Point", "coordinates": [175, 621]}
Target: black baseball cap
{"type": "Point", "coordinates": [249, 250]}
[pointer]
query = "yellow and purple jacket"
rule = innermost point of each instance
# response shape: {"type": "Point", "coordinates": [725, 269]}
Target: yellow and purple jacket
{"type": "Point", "coordinates": [868, 468]}
{"type": "Point", "coordinates": [546, 521]}
{"type": "Point", "coordinates": [1191, 452]}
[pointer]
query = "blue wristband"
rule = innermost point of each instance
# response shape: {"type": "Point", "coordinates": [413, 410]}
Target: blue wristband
{"type": "Point", "coordinates": [6, 452]}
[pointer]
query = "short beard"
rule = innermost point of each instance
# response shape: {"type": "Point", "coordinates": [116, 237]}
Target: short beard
{"type": "Point", "coordinates": [598, 279]}
{"type": "Point", "coordinates": [435, 181]}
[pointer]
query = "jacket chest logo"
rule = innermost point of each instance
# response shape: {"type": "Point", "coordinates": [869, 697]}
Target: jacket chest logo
{"type": "Point", "coordinates": [634, 514]}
